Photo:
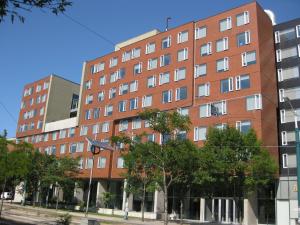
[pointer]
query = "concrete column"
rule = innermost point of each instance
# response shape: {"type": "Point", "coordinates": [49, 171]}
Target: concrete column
{"type": "Point", "coordinates": [220, 210]}
{"type": "Point", "coordinates": [213, 210]}
{"type": "Point", "coordinates": [158, 202]}
{"type": "Point", "coordinates": [130, 202]}
{"type": "Point", "coordinates": [101, 188]}
{"type": "Point", "coordinates": [227, 211]}
{"type": "Point", "coordinates": [202, 209]}
{"type": "Point", "coordinates": [19, 193]}
{"type": "Point", "coordinates": [250, 210]}
{"type": "Point", "coordinates": [78, 193]}
{"type": "Point", "coordinates": [124, 196]}
{"type": "Point", "coordinates": [234, 212]}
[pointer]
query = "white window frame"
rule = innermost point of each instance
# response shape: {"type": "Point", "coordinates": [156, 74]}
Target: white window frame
{"type": "Point", "coordinates": [282, 115]}
{"type": "Point", "coordinates": [169, 96]}
{"type": "Point", "coordinates": [283, 137]}
{"type": "Point", "coordinates": [197, 32]}
{"type": "Point", "coordinates": [152, 63]}
{"type": "Point", "coordinates": [278, 55]}
{"type": "Point", "coordinates": [246, 18]}
{"type": "Point", "coordinates": [228, 24]}
{"type": "Point", "coordinates": [281, 95]}
{"type": "Point", "coordinates": [298, 31]}
{"type": "Point", "coordinates": [180, 36]}
{"type": "Point", "coordinates": [135, 53]}
{"type": "Point", "coordinates": [133, 86]}
{"type": "Point", "coordinates": [177, 93]}
{"type": "Point", "coordinates": [225, 44]}
{"type": "Point", "coordinates": [145, 100]}
{"type": "Point", "coordinates": [153, 80]}
{"type": "Point", "coordinates": [100, 163]}
{"type": "Point", "coordinates": [197, 67]}
{"type": "Point", "coordinates": [277, 36]}
{"type": "Point", "coordinates": [279, 75]}
{"type": "Point", "coordinates": [161, 75]}
{"type": "Point", "coordinates": [176, 74]}
{"type": "Point", "coordinates": [113, 62]}
{"type": "Point", "coordinates": [150, 48]}
{"type": "Point", "coordinates": [257, 102]}
{"type": "Point", "coordinates": [185, 54]}
{"type": "Point", "coordinates": [208, 49]}
{"type": "Point", "coordinates": [168, 40]}
{"type": "Point", "coordinates": [197, 133]}
{"type": "Point", "coordinates": [225, 64]}
{"type": "Point", "coordinates": [206, 90]}
{"type": "Point", "coordinates": [285, 160]}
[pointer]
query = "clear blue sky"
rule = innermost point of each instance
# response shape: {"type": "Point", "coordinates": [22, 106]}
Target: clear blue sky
{"type": "Point", "coordinates": [47, 44]}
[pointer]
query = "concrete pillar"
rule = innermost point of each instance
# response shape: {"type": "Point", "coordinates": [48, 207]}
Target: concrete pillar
{"type": "Point", "coordinates": [19, 193]}
{"type": "Point", "coordinates": [78, 193]}
{"type": "Point", "coordinates": [202, 209]}
{"type": "Point", "coordinates": [130, 202]}
{"type": "Point", "coordinates": [219, 210]}
{"type": "Point", "coordinates": [227, 211]}
{"type": "Point", "coordinates": [124, 196]}
{"type": "Point", "coordinates": [101, 188]}
{"type": "Point", "coordinates": [250, 210]}
{"type": "Point", "coordinates": [158, 201]}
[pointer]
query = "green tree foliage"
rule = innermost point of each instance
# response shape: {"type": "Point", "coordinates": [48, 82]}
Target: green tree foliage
{"type": "Point", "coordinates": [11, 8]}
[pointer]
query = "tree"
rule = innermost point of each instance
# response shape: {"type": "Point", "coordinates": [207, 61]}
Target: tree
{"type": "Point", "coordinates": [11, 8]}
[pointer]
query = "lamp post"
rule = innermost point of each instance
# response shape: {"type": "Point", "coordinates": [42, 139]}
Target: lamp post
{"type": "Point", "coordinates": [96, 147]}
{"type": "Point", "coordinates": [297, 152]}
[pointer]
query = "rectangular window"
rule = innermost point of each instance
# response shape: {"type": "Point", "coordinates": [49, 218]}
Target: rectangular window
{"type": "Point", "coordinates": [80, 163]}
{"type": "Point", "coordinates": [183, 111]}
{"type": "Point", "coordinates": [87, 115]}
{"type": "Point", "coordinates": [136, 123]}
{"type": "Point", "coordinates": [80, 147]}
{"type": "Point", "coordinates": [242, 82]}
{"type": "Point", "coordinates": [89, 163]}
{"type": "Point", "coordinates": [286, 53]}
{"type": "Point", "coordinates": [200, 70]}
{"type": "Point", "coordinates": [152, 64]}
{"type": "Point", "coordinates": [38, 88]}
{"type": "Point", "coordinates": [89, 99]}
{"type": "Point", "coordinates": [166, 42]}
{"type": "Point", "coordinates": [122, 106]}
{"type": "Point", "coordinates": [137, 68]}
{"type": "Point", "coordinates": [121, 73]}
{"type": "Point", "coordinates": [62, 149]}
{"type": "Point", "coordinates": [182, 37]}
{"type": "Point", "coordinates": [88, 85]}
{"type": "Point", "coordinates": [298, 31]}
{"type": "Point", "coordinates": [225, 24]}
{"type": "Point", "coordinates": [123, 89]}
{"type": "Point", "coordinates": [164, 78]}
{"type": "Point", "coordinates": [200, 133]}
{"type": "Point", "coordinates": [113, 62]}
{"type": "Point", "coordinates": [97, 67]}
{"type": "Point", "coordinates": [83, 130]}
{"type": "Point", "coordinates": [133, 103]}
{"type": "Point", "coordinates": [147, 101]}
{"type": "Point", "coordinates": [181, 93]}
{"type": "Point", "coordinates": [288, 116]}
{"type": "Point", "coordinates": [285, 162]}
{"type": "Point", "coordinates": [96, 113]}
{"type": "Point", "coordinates": [108, 110]}
{"type": "Point", "coordinates": [243, 126]}
{"type": "Point", "coordinates": [287, 35]}
{"type": "Point", "coordinates": [213, 109]}
{"type": "Point", "coordinates": [222, 44]}
{"type": "Point", "coordinates": [242, 19]}
{"type": "Point", "coordinates": [179, 74]}
{"type": "Point", "coordinates": [288, 73]}
{"type": "Point", "coordinates": [221, 126]}
{"type": "Point", "coordinates": [133, 86]}
{"type": "Point", "coordinates": [165, 60]}
{"type": "Point", "coordinates": [135, 53]}
{"type": "Point", "coordinates": [62, 134]}
{"type": "Point", "coordinates": [101, 162]}
{"type": "Point", "coordinates": [222, 64]}
{"type": "Point", "coordinates": [150, 48]}
{"type": "Point", "coordinates": [291, 93]}
{"type": "Point", "coordinates": [100, 96]}
{"type": "Point", "coordinates": [95, 128]}
{"type": "Point", "coordinates": [151, 81]}
{"type": "Point", "coordinates": [248, 58]}
{"type": "Point", "coordinates": [243, 38]}
{"type": "Point", "coordinates": [126, 56]}
{"type": "Point", "coordinates": [112, 93]}
{"type": "Point", "coordinates": [151, 137]}
{"type": "Point", "coordinates": [54, 136]}
{"type": "Point", "coordinates": [123, 125]}
{"type": "Point", "coordinates": [72, 132]}
{"type": "Point", "coordinates": [182, 54]}
{"type": "Point", "coordinates": [167, 96]}
{"type": "Point", "coordinates": [105, 127]}
{"type": "Point", "coordinates": [120, 163]}
{"type": "Point", "coordinates": [205, 49]}
{"type": "Point", "coordinates": [113, 77]}
{"type": "Point", "coordinates": [200, 32]}
{"type": "Point", "coordinates": [102, 80]}
{"type": "Point", "coordinates": [203, 90]}
{"type": "Point", "coordinates": [227, 85]}
{"type": "Point", "coordinates": [253, 102]}
{"type": "Point", "coordinates": [277, 37]}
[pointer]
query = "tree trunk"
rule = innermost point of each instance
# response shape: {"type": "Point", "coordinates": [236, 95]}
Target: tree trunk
{"type": "Point", "coordinates": [47, 197]}
{"type": "Point", "coordinates": [143, 202]}
{"type": "Point", "coordinates": [24, 194]}
{"type": "Point", "coordinates": [2, 199]}
{"type": "Point", "coordinates": [57, 196]}
{"type": "Point", "coordinates": [165, 199]}
{"type": "Point", "coordinates": [181, 211]}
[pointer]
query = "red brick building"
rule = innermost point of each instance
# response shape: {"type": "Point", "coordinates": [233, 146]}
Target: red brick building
{"type": "Point", "coordinates": [219, 70]}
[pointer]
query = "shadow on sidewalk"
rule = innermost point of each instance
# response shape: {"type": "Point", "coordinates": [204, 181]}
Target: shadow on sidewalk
{"type": "Point", "coordinates": [11, 222]}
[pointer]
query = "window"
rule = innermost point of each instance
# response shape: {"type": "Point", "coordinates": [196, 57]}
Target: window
{"type": "Point", "coordinates": [54, 136]}
{"type": "Point", "coordinates": [222, 64]}
{"type": "Point", "coordinates": [179, 74]}
{"type": "Point", "coordinates": [80, 147]}
{"type": "Point", "coordinates": [123, 125]}
{"type": "Point", "coordinates": [200, 133]}
{"type": "Point", "coordinates": [42, 111]}
{"type": "Point", "coordinates": [105, 127]}
{"type": "Point", "coordinates": [133, 86]}
{"type": "Point", "coordinates": [120, 163]}
{"type": "Point", "coordinates": [123, 89]}
{"type": "Point", "coordinates": [203, 90]}
{"type": "Point", "coordinates": [288, 73]}
{"type": "Point", "coordinates": [298, 31]}
{"type": "Point", "coordinates": [242, 82]}
{"type": "Point", "coordinates": [152, 64]}
{"type": "Point", "coordinates": [151, 137]}
{"type": "Point", "coordinates": [62, 134]}
{"type": "Point", "coordinates": [227, 85]}
{"type": "Point", "coordinates": [113, 77]}
{"type": "Point", "coordinates": [88, 84]}
{"type": "Point", "coordinates": [89, 99]}
{"type": "Point", "coordinates": [101, 162]}
{"type": "Point", "coordinates": [277, 37]}
{"type": "Point", "coordinates": [95, 129]}
{"type": "Point", "coordinates": [291, 93]}
{"type": "Point", "coordinates": [62, 149]}
{"type": "Point", "coordinates": [205, 49]}
{"type": "Point", "coordinates": [97, 67]}
{"type": "Point", "coordinates": [39, 124]}
{"type": "Point", "coordinates": [285, 161]}
{"type": "Point", "coordinates": [183, 111]}
{"type": "Point", "coordinates": [151, 81]}
{"type": "Point", "coordinates": [222, 44]}
{"type": "Point", "coordinates": [253, 102]}
{"type": "Point", "coordinates": [89, 163]}
{"type": "Point", "coordinates": [182, 36]}
{"type": "Point", "coordinates": [100, 96]}
{"type": "Point", "coordinates": [200, 70]}
{"type": "Point", "coordinates": [287, 116]}
{"type": "Point", "coordinates": [137, 68]}
{"type": "Point", "coordinates": [182, 54]}
{"type": "Point", "coordinates": [166, 42]}
{"type": "Point", "coordinates": [181, 93]}
{"type": "Point", "coordinates": [136, 123]}
{"type": "Point", "coordinates": [44, 98]}
{"type": "Point", "coordinates": [113, 62]}
{"type": "Point", "coordinates": [225, 24]}
{"type": "Point", "coordinates": [167, 96]}
{"type": "Point", "coordinates": [248, 58]}
{"type": "Point", "coordinates": [102, 80]}
{"type": "Point", "coordinates": [243, 38]}
{"type": "Point", "coordinates": [96, 113]}
{"type": "Point", "coordinates": [38, 88]}
{"type": "Point", "coordinates": [147, 101]}
{"type": "Point", "coordinates": [46, 85]}
{"type": "Point", "coordinates": [121, 73]}
{"type": "Point", "coordinates": [73, 148]}
{"type": "Point", "coordinates": [112, 93]}
{"type": "Point", "coordinates": [83, 130]}
{"type": "Point", "coordinates": [122, 106]}
{"type": "Point", "coordinates": [72, 132]}
{"type": "Point", "coordinates": [221, 126]}
{"type": "Point", "coordinates": [133, 103]}
{"type": "Point", "coordinates": [213, 109]}
{"type": "Point", "coordinates": [136, 52]}
{"type": "Point", "coordinates": [87, 115]}
{"type": "Point", "coordinates": [281, 95]}
{"type": "Point", "coordinates": [150, 48]}
{"type": "Point", "coordinates": [286, 53]}
{"type": "Point", "coordinates": [200, 32]}
{"type": "Point", "coordinates": [126, 56]}
{"type": "Point", "coordinates": [243, 126]}
{"type": "Point", "coordinates": [80, 163]}
{"type": "Point", "coordinates": [164, 78]}
{"type": "Point", "coordinates": [242, 19]}
{"type": "Point", "coordinates": [108, 110]}
{"type": "Point", "coordinates": [165, 60]}
{"type": "Point", "coordinates": [38, 99]}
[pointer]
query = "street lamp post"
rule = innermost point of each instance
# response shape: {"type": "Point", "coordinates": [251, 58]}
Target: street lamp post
{"type": "Point", "coordinates": [297, 139]}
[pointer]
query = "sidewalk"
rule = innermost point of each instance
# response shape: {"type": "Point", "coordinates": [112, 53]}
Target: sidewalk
{"type": "Point", "coordinates": [52, 214]}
